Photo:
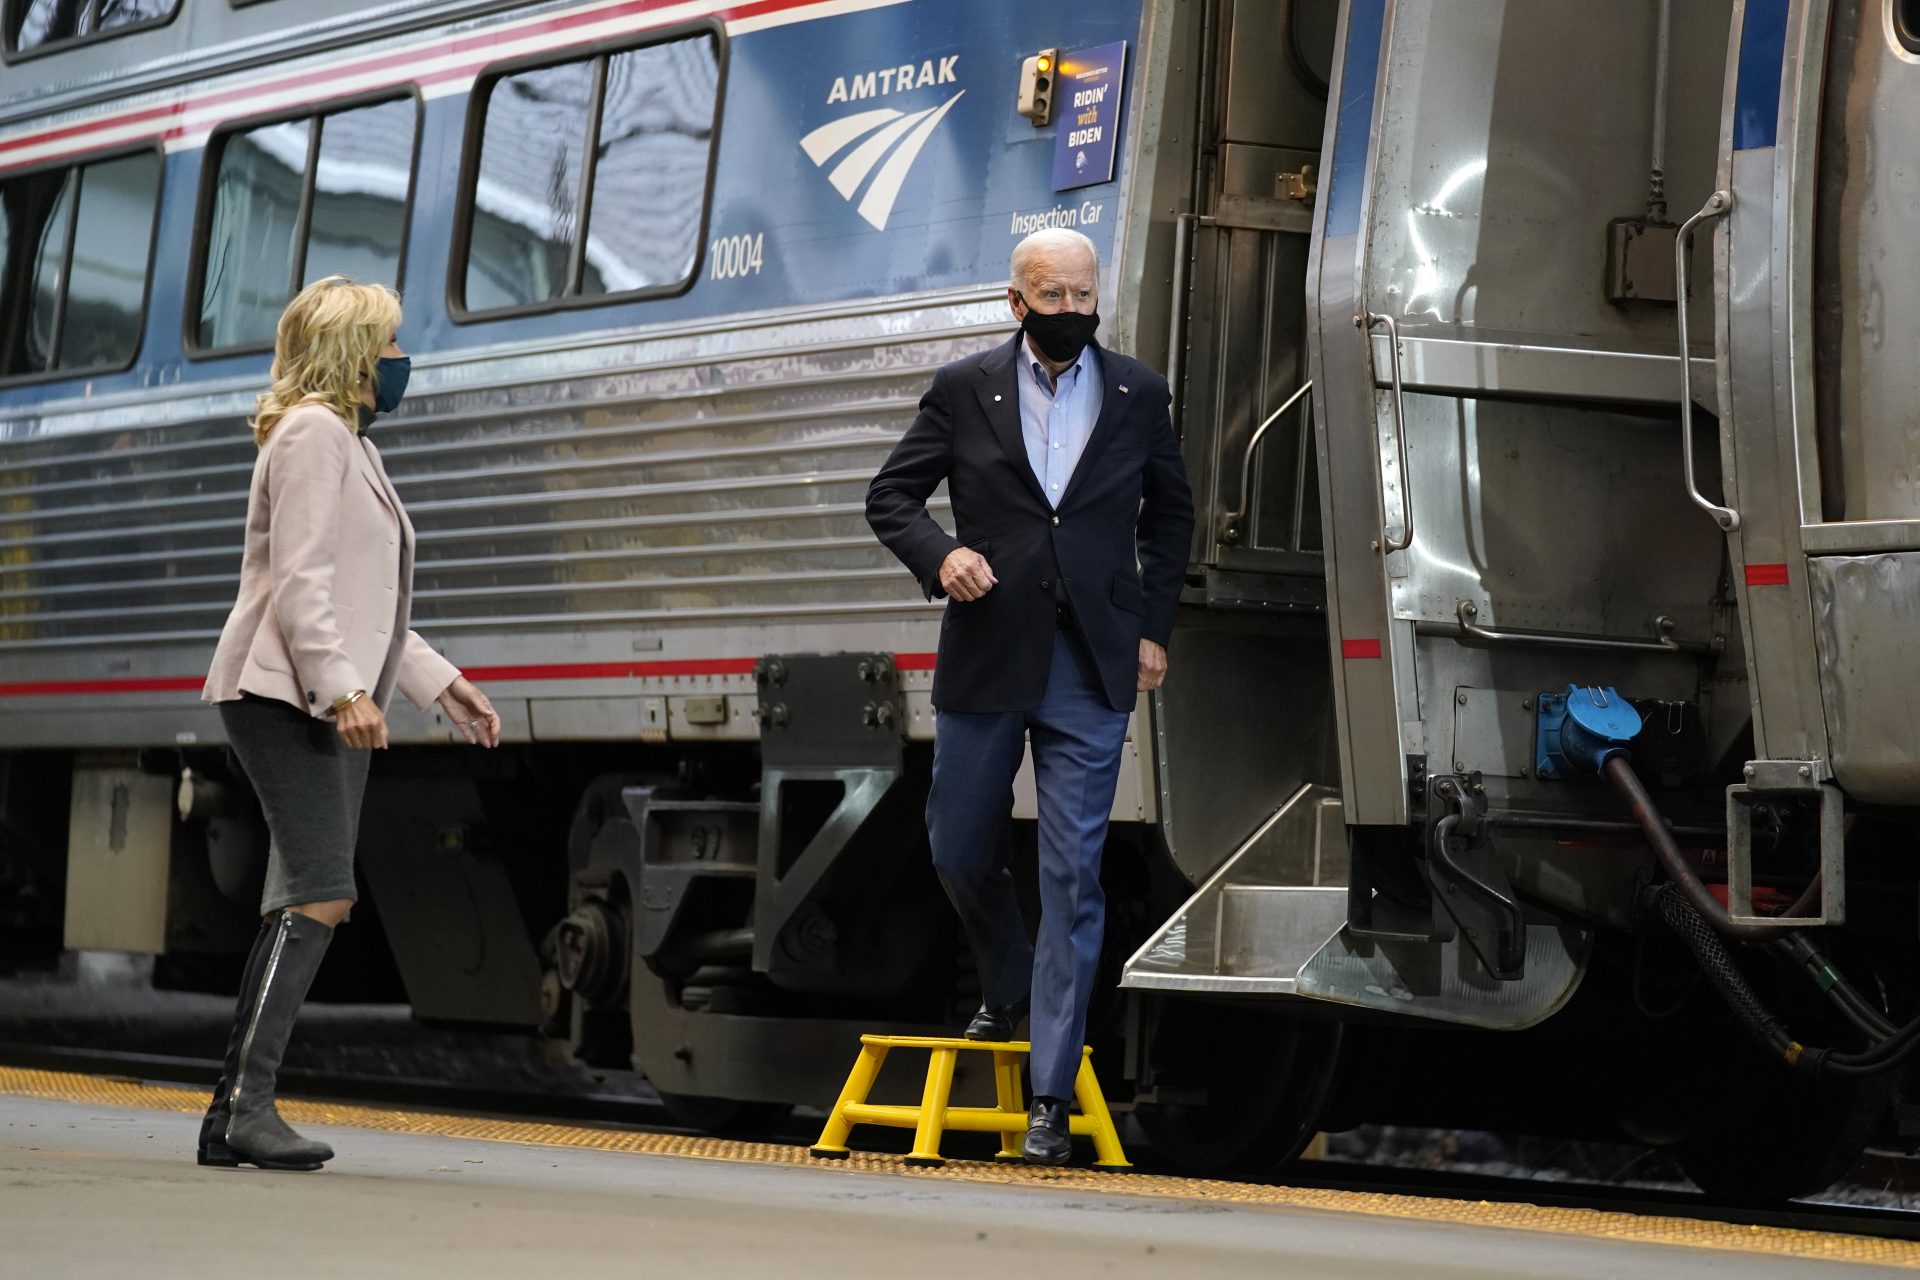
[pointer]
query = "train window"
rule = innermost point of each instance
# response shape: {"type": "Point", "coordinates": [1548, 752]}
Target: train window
{"type": "Point", "coordinates": [543, 228]}
{"type": "Point", "coordinates": [74, 265]}
{"type": "Point", "coordinates": [49, 270]}
{"type": "Point", "coordinates": [107, 281]}
{"type": "Point", "coordinates": [251, 259]}
{"type": "Point", "coordinates": [650, 174]}
{"type": "Point", "coordinates": [359, 217]}
{"type": "Point", "coordinates": [528, 186]}
{"type": "Point", "coordinates": [297, 200]}
{"type": "Point", "coordinates": [1906, 23]}
{"type": "Point", "coordinates": [36, 25]}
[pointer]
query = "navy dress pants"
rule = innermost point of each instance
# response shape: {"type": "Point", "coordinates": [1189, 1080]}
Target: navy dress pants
{"type": "Point", "coordinates": [1077, 740]}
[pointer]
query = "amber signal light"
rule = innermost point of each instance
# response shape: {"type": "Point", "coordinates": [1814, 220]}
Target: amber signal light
{"type": "Point", "coordinates": [1036, 87]}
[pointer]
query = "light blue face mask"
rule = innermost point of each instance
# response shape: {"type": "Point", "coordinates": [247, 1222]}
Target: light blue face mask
{"type": "Point", "coordinates": [390, 382]}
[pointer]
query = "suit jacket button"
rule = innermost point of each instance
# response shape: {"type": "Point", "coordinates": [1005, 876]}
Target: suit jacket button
{"type": "Point", "coordinates": [1045, 585]}
{"type": "Point", "coordinates": [310, 697]}
{"type": "Point", "coordinates": [1056, 522]}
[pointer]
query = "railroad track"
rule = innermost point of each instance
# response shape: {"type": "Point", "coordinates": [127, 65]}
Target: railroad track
{"type": "Point", "coordinates": [1862, 1220]}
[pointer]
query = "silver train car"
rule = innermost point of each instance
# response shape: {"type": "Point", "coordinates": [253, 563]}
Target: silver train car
{"type": "Point", "coordinates": [1536, 754]}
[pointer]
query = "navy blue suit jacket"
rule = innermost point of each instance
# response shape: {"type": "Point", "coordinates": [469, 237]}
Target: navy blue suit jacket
{"type": "Point", "coordinates": [1127, 500]}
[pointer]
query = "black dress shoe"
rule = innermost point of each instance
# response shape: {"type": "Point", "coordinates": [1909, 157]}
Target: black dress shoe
{"type": "Point", "coordinates": [996, 1024]}
{"type": "Point", "coordinates": [1048, 1138]}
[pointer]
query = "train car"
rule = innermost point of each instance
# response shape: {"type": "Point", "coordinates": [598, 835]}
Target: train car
{"type": "Point", "coordinates": [1614, 561]}
{"type": "Point", "coordinates": [1535, 726]}
{"type": "Point", "coordinates": [675, 275]}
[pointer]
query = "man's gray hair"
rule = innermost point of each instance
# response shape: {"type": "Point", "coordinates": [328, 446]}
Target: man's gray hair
{"type": "Point", "coordinates": [1048, 240]}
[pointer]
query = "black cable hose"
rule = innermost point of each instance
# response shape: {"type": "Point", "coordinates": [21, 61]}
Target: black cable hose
{"type": "Point", "coordinates": [1797, 947]}
{"type": "Point", "coordinates": [1704, 913]}
{"type": "Point", "coordinates": [1670, 903]}
{"type": "Point", "coordinates": [1888, 1053]}
{"type": "Point", "coordinates": [1672, 861]}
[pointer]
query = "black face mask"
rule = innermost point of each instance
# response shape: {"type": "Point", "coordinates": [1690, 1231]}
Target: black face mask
{"type": "Point", "coordinates": [1060, 335]}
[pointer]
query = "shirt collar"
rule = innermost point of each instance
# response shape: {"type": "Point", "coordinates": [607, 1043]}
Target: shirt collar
{"type": "Point", "coordinates": [1081, 366]}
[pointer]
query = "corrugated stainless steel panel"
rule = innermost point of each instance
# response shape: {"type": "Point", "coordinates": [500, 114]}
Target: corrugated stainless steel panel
{"type": "Point", "coordinates": [717, 486]}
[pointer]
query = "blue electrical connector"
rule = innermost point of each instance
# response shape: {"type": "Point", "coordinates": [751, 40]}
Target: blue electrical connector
{"type": "Point", "coordinates": [1578, 731]}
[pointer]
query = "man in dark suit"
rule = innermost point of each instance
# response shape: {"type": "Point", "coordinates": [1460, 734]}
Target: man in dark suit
{"type": "Point", "coordinates": [1073, 519]}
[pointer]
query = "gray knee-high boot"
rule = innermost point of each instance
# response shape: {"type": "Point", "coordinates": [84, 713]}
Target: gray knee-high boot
{"type": "Point", "coordinates": [256, 1134]}
{"type": "Point", "coordinates": [213, 1126]}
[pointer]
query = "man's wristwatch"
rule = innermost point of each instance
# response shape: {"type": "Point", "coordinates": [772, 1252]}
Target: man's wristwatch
{"type": "Point", "coordinates": [342, 703]}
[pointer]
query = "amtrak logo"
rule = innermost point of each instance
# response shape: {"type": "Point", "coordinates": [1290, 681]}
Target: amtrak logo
{"type": "Point", "coordinates": [889, 143]}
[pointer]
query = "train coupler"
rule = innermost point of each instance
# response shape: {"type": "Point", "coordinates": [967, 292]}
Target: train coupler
{"type": "Point", "coordinates": [1467, 883]}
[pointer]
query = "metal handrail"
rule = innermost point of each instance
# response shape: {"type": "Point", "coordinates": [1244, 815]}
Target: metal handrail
{"type": "Point", "coordinates": [1183, 225]}
{"type": "Point", "coordinates": [1368, 321]}
{"type": "Point", "coordinates": [1717, 205]}
{"type": "Point", "coordinates": [1663, 626]}
{"type": "Point", "coordinates": [1230, 526]}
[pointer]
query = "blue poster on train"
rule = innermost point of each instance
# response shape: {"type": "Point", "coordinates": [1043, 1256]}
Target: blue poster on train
{"type": "Point", "coordinates": [1086, 108]}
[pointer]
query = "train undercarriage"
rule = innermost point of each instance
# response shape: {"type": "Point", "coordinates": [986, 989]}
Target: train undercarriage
{"type": "Point", "coordinates": [726, 932]}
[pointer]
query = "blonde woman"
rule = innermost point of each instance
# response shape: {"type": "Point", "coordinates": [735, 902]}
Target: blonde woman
{"type": "Point", "coordinates": [306, 665]}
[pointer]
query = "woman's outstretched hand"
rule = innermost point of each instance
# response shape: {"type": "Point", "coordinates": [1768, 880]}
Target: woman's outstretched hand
{"type": "Point", "coordinates": [471, 713]}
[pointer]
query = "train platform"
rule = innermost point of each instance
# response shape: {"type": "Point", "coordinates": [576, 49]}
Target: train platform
{"type": "Point", "coordinates": [100, 1181]}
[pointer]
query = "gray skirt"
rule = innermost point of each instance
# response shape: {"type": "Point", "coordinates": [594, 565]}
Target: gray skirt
{"type": "Point", "coordinates": [310, 785]}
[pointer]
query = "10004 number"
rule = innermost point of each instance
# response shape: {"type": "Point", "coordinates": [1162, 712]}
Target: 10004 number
{"type": "Point", "coordinates": [734, 256]}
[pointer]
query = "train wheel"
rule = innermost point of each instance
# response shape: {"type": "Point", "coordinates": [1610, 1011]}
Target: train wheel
{"type": "Point", "coordinates": [726, 1117]}
{"type": "Point", "coordinates": [1264, 1078]}
{"type": "Point", "coordinates": [1772, 1137]}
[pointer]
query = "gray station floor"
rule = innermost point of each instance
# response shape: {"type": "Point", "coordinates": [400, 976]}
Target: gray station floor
{"type": "Point", "coordinates": [100, 1191]}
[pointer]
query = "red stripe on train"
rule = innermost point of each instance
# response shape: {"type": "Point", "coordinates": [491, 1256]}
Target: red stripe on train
{"type": "Point", "coordinates": [479, 44]}
{"type": "Point", "coordinates": [1359, 648]}
{"type": "Point", "coordinates": [614, 670]}
{"type": "Point", "coordinates": [150, 684]}
{"type": "Point", "coordinates": [1766, 575]}
{"type": "Point", "coordinates": [504, 675]}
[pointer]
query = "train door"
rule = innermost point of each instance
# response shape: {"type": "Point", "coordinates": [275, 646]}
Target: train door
{"type": "Point", "coordinates": [1495, 380]}
{"type": "Point", "coordinates": [1499, 453]}
{"type": "Point", "coordinates": [1498, 416]}
{"type": "Point", "coordinates": [1815, 283]}
{"type": "Point", "coordinates": [1237, 363]}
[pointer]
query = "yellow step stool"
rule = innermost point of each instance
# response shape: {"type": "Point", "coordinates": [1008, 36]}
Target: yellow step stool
{"type": "Point", "coordinates": [933, 1117]}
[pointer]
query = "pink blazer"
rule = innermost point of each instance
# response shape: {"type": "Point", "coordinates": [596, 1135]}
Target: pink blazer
{"type": "Point", "coordinates": [326, 583]}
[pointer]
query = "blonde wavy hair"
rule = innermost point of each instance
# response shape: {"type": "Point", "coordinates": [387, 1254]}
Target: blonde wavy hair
{"type": "Point", "coordinates": [330, 335]}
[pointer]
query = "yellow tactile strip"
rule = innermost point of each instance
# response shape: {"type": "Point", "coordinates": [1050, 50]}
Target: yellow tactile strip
{"type": "Point", "coordinates": [1588, 1223]}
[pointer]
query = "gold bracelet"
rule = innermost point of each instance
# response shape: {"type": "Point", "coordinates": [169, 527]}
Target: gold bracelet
{"type": "Point", "coordinates": [342, 703]}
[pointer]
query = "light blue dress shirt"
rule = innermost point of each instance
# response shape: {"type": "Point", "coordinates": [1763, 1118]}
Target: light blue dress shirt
{"type": "Point", "coordinates": [1055, 420]}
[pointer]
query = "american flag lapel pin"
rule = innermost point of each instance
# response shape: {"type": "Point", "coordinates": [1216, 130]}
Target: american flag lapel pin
{"type": "Point", "coordinates": [1123, 388]}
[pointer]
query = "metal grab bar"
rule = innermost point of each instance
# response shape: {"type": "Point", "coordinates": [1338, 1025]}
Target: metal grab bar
{"type": "Point", "coordinates": [1368, 321]}
{"type": "Point", "coordinates": [1717, 205]}
{"type": "Point", "coordinates": [1183, 226]}
{"type": "Point", "coordinates": [1468, 611]}
{"type": "Point", "coordinates": [1230, 527]}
